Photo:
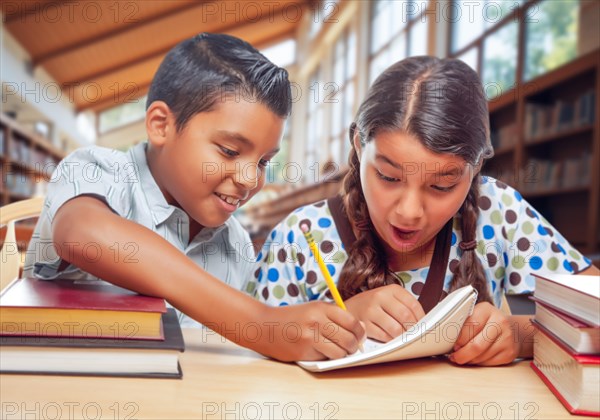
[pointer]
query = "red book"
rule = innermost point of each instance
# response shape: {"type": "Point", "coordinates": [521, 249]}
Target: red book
{"type": "Point", "coordinates": [574, 379]}
{"type": "Point", "coordinates": [580, 337]}
{"type": "Point", "coordinates": [78, 308]}
{"type": "Point", "coordinates": [576, 295]}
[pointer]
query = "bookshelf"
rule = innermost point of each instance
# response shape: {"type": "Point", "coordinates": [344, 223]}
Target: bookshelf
{"type": "Point", "coordinates": [546, 135]}
{"type": "Point", "coordinates": [27, 160]}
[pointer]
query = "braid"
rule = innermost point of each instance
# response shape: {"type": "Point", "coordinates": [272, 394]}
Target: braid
{"type": "Point", "coordinates": [366, 267]}
{"type": "Point", "coordinates": [469, 270]}
{"type": "Point", "coordinates": [444, 124]}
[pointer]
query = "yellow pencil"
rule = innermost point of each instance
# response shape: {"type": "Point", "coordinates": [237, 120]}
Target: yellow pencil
{"type": "Point", "coordinates": [330, 284]}
{"type": "Point", "coordinates": [315, 250]}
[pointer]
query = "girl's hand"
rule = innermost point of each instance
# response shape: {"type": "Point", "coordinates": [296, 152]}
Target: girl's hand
{"type": "Point", "coordinates": [310, 331]}
{"type": "Point", "coordinates": [387, 311]}
{"type": "Point", "coordinates": [487, 338]}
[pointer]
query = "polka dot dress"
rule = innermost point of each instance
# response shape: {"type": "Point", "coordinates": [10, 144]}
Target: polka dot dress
{"type": "Point", "coordinates": [513, 241]}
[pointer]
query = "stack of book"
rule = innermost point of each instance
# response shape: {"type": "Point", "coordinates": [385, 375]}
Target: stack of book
{"type": "Point", "coordinates": [566, 352]}
{"type": "Point", "coordinates": [86, 328]}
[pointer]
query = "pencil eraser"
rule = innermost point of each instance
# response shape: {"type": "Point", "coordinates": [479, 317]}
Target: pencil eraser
{"type": "Point", "coordinates": [304, 227]}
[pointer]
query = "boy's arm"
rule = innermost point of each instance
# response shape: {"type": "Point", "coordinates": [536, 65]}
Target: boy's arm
{"type": "Point", "coordinates": [159, 269]}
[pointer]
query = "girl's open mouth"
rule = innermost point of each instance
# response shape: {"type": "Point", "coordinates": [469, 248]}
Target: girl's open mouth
{"type": "Point", "coordinates": [405, 236]}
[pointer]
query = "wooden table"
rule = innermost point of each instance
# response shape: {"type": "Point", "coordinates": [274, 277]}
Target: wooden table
{"type": "Point", "coordinates": [224, 381]}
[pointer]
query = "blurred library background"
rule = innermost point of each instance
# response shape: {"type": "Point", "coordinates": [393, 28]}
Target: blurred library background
{"type": "Point", "coordinates": [76, 74]}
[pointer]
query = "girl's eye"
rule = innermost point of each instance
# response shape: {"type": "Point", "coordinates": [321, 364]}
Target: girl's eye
{"type": "Point", "coordinates": [228, 152]}
{"type": "Point", "coordinates": [443, 189]}
{"type": "Point", "coordinates": [263, 163]}
{"type": "Point", "coordinates": [386, 178]}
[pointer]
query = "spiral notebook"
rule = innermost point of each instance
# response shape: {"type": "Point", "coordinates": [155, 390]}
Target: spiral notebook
{"type": "Point", "coordinates": [433, 335]}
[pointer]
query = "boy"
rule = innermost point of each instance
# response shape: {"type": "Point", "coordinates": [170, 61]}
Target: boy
{"type": "Point", "coordinates": [157, 219]}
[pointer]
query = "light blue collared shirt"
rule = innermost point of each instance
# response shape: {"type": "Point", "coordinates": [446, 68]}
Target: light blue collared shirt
{"type": "Point", "coordinates": [124, 181]}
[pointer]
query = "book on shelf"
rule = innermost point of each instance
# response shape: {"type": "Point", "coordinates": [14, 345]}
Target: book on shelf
{"type": "Point", "coordinates": [565, 116]}
{"type": "Point", "coordinates": [574, 379]}
{"type": "Point", "coordinates": [435, 334]}
{"type": "Point", "coordinates": [78, 308]}
{"type": "Point", "coordinates": [505, 136]}
{"type": "Point", "coordinates": [565, 173]}
{"type": "Point", "coordinates": [539, 120]}
{"type": "Point", "coordinates": [585, 108]}
{"type": "Point", "coordinates": [543, 119]}
{"type": "Point", "coordinates": [580, 337]}
{"type": "Point", "coordinates": [96, 356]}
{"type": "Point", "coordinates": [577, 295]}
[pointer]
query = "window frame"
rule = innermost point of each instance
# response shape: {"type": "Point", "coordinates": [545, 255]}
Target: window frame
{"type": "Point", "coordinates": [406, 30]}
{"type": "Point", "coordinates": [517, 15]}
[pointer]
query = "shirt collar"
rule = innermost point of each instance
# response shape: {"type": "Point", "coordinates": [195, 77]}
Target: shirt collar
{"type": "Point", "coordinates": [160, 208]}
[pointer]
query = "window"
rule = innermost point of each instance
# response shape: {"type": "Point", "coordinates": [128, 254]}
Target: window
{"type": "Point", "coordinates": [418, 38]}
{"type": "Point", "coordinates": [488, 31]}
{"type": "Point", "coordinates": [342, 104]}
{"type": "Point", "coordinates": [551, 36]}
{"type": "Point", "coordinates": [398, 29]}
{"type": "Point", "coordinates": [322, 12]}
{"type": "Point", "coordinates": [123, 114]}
{"type": "Point", "coordinates": [277, 166]}
{"type": "Point", "coordinates": [283, 53]}
{"type": "Point", "coordinates": [470, 57]}
{"type": "Point", "coordinates": [314, 117]}
{"type": "Point", "coordinates": [471, 19]}
{"type": "Point", "coordinates": [500, 59]}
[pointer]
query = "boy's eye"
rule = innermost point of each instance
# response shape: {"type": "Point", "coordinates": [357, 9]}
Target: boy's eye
{"type": "Point", "coordinates": [386, 178]}
{"type": "Point", "coordinates": [263, 163]}
{"type": "Point", "coordinates": [228, 152]}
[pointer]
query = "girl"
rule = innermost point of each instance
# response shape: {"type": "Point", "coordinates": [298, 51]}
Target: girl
{"type": "Point", "coordinates": [416, 220]}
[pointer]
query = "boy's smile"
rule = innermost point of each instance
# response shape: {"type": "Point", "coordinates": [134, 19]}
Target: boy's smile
{"type": "Point", "coordinates": [231, 203]}
{"type": "Point", "coordinates": [217, 161]}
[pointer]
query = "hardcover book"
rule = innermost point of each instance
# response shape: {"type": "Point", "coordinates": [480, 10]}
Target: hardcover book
{"type": "Point", "coordinates": [574, 379]}
{"type": "Point", "coordinates": [580, 337]}
{"type": "Point", "coordinates": [95, 356]}
{"type": "Point", "coordinates": [71, 308]}
{"type": "Point", "coordinates": [576, 295]}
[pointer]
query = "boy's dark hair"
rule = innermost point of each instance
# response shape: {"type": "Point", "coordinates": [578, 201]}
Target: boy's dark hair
{"type": "Point", "coordinates": [199, 72]}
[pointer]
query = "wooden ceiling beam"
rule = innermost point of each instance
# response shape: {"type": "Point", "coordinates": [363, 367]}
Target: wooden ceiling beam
{"type": "Point", "coordinates": [23, 11]}
{"type": "Point", "coordinates": [109, 102]}
{"type": "Point", "coordinates": [268, 20]}
{"type": "Point", "coordinates": [87, 43]}
{"type": "Point", "coordinates": [143, 88]}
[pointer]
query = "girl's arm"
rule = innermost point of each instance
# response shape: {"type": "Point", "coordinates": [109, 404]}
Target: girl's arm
{"type": "Point", "coordinates": [321, 330]}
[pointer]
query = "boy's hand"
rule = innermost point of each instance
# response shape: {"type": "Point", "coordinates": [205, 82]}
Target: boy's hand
{"type": "Point", "coordinates": [310, 331]}
{"type": "Point", "coordinates": [387, 311]}
{"type": "Point", "coordinates": [487, 338]}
